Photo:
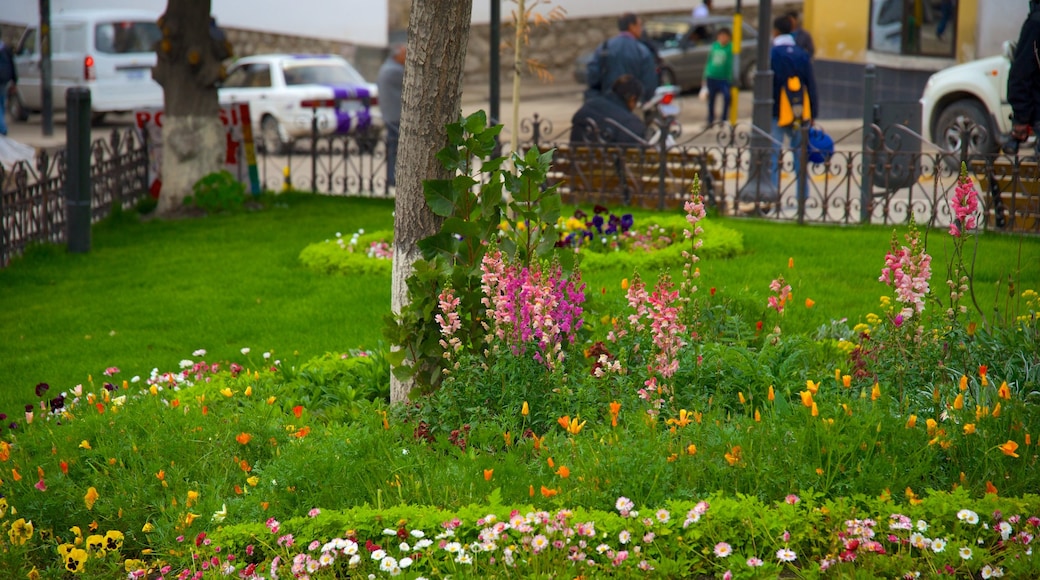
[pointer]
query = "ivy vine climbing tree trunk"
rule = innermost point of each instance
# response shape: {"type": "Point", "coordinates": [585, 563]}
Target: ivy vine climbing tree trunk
{"type": "Point", "coordinates": [188, 68]}
{"type": "Point", "coordinates": [438, 32]}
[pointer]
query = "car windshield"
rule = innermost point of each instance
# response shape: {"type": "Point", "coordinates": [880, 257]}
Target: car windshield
{"type": "Point", "coordinates": [126, 37]}
{"type": "Point", "coordinates": [332, 73]}
{"type": "Point", "coordinates": [665, 32]}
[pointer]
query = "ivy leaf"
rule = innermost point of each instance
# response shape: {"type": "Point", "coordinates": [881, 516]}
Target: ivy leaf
{"type": "Point", "coordinates": [441, 242]}
{"type": "Point", "coordinates": [456, 225]}
{"type": "Point", "coordinates": [476, 123]}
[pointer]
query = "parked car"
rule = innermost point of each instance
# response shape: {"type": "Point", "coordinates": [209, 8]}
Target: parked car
{"type": "Point", "coordinates": [682, 44]}
{"type": "Point", "coordinates": [973, 94]}
{"type": "Point", "coordinates": [110, 52]}
{"type": "Point", "coordinates": [285, 91]}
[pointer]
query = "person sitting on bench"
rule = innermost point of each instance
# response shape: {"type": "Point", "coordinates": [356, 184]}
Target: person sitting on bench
{"type": "Point", "coordinates": [610, 118]}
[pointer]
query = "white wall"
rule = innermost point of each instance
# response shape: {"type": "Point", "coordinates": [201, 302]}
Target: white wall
{"type": "Point", "coordinates": [585, 8]}
{"type": "Point", "coordinates": [356, 21]}
{"type": "Point", "coordinates": [1000, 20]}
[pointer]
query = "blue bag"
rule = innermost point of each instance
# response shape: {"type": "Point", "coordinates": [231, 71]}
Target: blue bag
{"type": "Point", "coordinates": [821, 146]}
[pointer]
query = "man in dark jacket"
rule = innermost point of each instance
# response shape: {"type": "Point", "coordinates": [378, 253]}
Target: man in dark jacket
{"type": "Point", "coordinates": [794, 94]}
{"type": "Point", "coordinates": [1024, 80]}
{"type": "Point", "coordinates": [623, 55]}
{"type": "Point", "coordinates": [610, 118]}
{"type": "Point", "coordinates": [391, 85]}
{"type": "Point", "coordinates": [8, 79]}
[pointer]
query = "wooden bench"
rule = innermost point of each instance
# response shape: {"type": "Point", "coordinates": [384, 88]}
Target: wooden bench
{"type": "Point", "coordinates": [1011, 190]}
{"type": "Point", "coordinates": [618, 176]}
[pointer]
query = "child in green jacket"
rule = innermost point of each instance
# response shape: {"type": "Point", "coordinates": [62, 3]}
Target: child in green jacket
{"type": "Point", "coordinates": [718, 74]}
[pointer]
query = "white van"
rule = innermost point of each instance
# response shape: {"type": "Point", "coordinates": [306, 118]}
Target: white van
{"type": "Point", "coordinates": [110, 52]}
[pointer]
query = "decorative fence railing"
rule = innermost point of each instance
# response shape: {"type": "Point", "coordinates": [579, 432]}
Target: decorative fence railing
{"type": "Point", "coordinates": [32, 195]}
{"type": "Point", "coordinates": [877, 175]}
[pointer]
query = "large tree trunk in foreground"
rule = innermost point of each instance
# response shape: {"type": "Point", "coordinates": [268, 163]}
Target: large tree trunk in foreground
{"type": "Point", "coordinates": [438, 32]}
{"type": "Point", "coordinates": [188, 69]}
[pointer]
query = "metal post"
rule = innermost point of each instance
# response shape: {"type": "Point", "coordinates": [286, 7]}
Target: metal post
{"type": "Point", "coordinates": [866, 191]}
{"type": "Point", "coordinates": [495, 80]}
{"type": "Point", "coordinates": [738, 39]}
{"type": "Point", "coordinates": [662, 161]}
{"type": "Point", "coordinates": [803, 172]}
{"type": "Point", "coordinates": [314, 149]}
{"type": "Point", "coordinates": [46, 80]}
{"type": "Point", "coordinates": [759, 187]}
{"type": "Point", "coordinates": [77, 178]}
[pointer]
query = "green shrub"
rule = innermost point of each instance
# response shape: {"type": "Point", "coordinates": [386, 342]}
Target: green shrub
{"type": "Point", "coordinates": [218, 191]}
{"type": "Point", "coordinates": [352, 256]}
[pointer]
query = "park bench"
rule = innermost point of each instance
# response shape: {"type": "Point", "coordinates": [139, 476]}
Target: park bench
{"type": "Point", "coordinates": [613, 176]}
{"type": "Point", "coordinates": [1012, 190]}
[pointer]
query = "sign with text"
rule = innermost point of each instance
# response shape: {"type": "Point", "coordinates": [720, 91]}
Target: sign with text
{"type": "Point", "coordinates": [239, 154]}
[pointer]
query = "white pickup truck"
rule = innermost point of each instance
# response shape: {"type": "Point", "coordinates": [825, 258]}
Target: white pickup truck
{"type": "Point", "coordinates": [958, 99]}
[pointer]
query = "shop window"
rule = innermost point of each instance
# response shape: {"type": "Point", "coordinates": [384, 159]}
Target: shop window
{"type": "Point", "coordinates": [914, 27]}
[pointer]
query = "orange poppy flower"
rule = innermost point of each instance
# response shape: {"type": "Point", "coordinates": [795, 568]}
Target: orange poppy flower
{"type": "Point", "coordinates": [1009, 448]}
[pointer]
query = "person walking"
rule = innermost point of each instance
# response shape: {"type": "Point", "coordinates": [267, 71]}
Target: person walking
{"type": "Point", "coordinates": [794, 96]}
{"type": "Point", "coordinates": [718, 74]}
{"type": "Point", "coordinates": [1023, 88]}
{"type": "Point", "coordinates": [8, 81]}
{"type": "Point", "coordinates": [390, 83]}
{"type": "Point", "coordinates": [802, 38]}
{"type": "Point", "coordinates": [621, 55]}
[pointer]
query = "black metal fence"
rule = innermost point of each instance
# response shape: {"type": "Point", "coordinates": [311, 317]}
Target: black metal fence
{"type": "Point", "coordinates": [32, 195]}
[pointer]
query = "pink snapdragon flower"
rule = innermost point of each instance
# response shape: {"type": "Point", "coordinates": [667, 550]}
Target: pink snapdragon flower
{"type": "Point", "coordinates": [782, 289]}
{"type": "Point", "coordinates": [964, 204]}
{"type": "Point", "coordinates": [449, 321]}
{"type": "Point", "coordinates": [908, 269]}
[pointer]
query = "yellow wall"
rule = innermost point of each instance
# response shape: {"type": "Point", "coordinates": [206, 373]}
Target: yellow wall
{"type": "Point", "coordinates": [839, 28]}
{"type": "Point", "coordinates": [966, 26]}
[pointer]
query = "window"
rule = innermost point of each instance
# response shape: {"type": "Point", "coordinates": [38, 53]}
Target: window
{"type": "Point", "coordinates": [322, 74]}
{"type": "Point", "coordinates": [914, 27]}
{"type": "Point", "coordinates": [256, 75]}
{"type": "Point", "coordinates": [126, 37]}
{"type": "Point", "coordinates": [27, 47]}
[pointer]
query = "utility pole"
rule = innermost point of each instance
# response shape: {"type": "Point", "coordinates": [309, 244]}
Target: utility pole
{"type": "Point", "coordinates": [46, 82]}
{"type": "Point", "coordinates": [495, 80]}
{"type": "Point", "coordinates": [759, 187]}
{"type": "Point", "coordinates": [738, 38]}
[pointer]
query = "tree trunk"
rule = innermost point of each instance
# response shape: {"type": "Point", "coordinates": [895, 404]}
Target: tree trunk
{"type": "Point", "coordinates": [188, 69]}
{"type": "Point", "coordinates": [438, 33]}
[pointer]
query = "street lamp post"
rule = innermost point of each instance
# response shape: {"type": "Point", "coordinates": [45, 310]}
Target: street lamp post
{"type": "Point", "coordinates": [759, 186]}
{"type": "Point", "coordinates": [495, 80]}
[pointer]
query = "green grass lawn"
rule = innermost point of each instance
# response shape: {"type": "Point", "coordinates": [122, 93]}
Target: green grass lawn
{"type": "Point", "coordinates": [149, 294]}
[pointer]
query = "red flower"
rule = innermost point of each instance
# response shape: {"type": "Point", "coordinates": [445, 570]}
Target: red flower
{"type": "Point", "coordinates": [297, 411]}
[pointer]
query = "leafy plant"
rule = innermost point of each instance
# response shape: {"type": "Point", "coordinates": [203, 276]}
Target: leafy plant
{"type": "Point", "coordinates": [218, 191]}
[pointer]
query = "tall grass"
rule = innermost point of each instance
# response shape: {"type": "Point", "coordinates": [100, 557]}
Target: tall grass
{"type": "Point", "coordinates": [149, 294]}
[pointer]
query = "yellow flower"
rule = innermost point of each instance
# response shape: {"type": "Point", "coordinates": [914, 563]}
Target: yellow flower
{"type": "Point", "coordinates": [958, 403]}
{"type": "Point", "coordinates": [807, 399]}
{"type": "Point", "coordinates": [193, 497]}
{"type": "Point", "coordinates": [861, 328]}
{"type": "Point", "coordinates": [96, 545]}
{"type": "Point", "coordinates": [740, 395]}
{"type": "Point", "coordinates": [1004, 392]}
{"type": "Point", "coordinates": [525, 410]}
{"type": "Point", "coordinates": [488, 473]}
{"type": "Point", "coordinates": [90, 498]}
{"type": "Point", "coordinates": [875, 393]}
{"type": "Point", "coordinates": [74, 560]}
{"type": "Point", "coordinates": [837, 375]}
{"type": "Point", "coordinates": [846, 381]}
{"type": "Point", "coordinates": [114, 540]}
{"type": "Point", "coordinates": [21, 531]}
{"type": "Point", "coordinates": [963, 386]}
{"type": "Point", "coordinates": [189, 518]}
{"type": "Point", "coordinates": [969, 428]}
{"type": "Point", "coordinates": [249, 391]}
{"type": "Point", "coordinates": [815, 411]}
{"type": "Point", "coordinates": [270, 400]}
{"type": "Point", "coordinates": [813, 387]}
{"type": "Point", "coordinates": [683, 420]}
{"type": "Point", "coordinates": [758, 416]}
{"type": "Point", "coordinates": [873, 319]}
{"type": "Point", "coordinates": [772, 395]}
{"type": "Point", "coordinates": [1009, 448]}
{"type": "Point", "coordinates": [132, 565]}
{"type": "Point", "coordinates": [996, 410]}
{"type": "Point", "coordinates": [624, 283]}
{"type": "Point", "coordinates": [84, 444]}
{"type": "Point", "coordinates": [253, 480]}
{"type": "Point", "coordinates": [911, 421]}
{"type": "Point", "coordinates": [790, 262]}
{"type": "Point", "coordinates": [227, 392]}
{"type": "Point", "coordinates": [33, 574]}
{"type": "Point", "coordinates": [571, 425]}
{"type": "Point", "coordinates": [691, 449]}
{"type": "Point", "coordinates": [148, 528]}
{"type": "Point", "coordinates": [931, 424]}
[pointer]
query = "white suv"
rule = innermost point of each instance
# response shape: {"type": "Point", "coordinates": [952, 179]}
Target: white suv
{"type": "Point", "coordinates": [962, 97]}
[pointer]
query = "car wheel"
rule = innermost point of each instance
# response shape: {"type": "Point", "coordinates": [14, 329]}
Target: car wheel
{"type": "Point", "coordinates": [668, 77]}
{"type": "Point", "coordinates": [271, 136]}
{"type": "Point", "coordinates": [16, 108]}
{"type": "Point", "coordinates": [960, 120]}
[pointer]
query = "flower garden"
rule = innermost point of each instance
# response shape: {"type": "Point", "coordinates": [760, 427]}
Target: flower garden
{"type": "Point", "coordinates": [660, 429]}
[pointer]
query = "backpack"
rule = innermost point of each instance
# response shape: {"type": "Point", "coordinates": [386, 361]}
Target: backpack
{"type": "Point", "coordinates": [794, 103]}
{"type": "Point", "coordinates": [596, 70]}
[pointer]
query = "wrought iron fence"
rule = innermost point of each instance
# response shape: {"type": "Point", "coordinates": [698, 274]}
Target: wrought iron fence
{"type": "Point", "coordinates": [874, 175]}
{"type": "Point", "coordinates": [32, 195]}
{"type": "Point", "coordinates": [353, 164]}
